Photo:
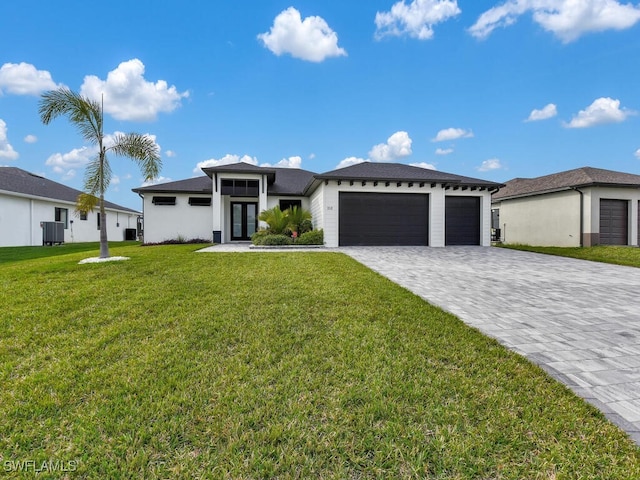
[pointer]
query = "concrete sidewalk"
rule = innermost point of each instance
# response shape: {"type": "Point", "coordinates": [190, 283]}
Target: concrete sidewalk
{"type": "Point", "coordinates": [578, 320]}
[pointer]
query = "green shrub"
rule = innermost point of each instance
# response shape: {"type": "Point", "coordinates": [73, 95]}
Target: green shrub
{"type": "Point", "coordinates": [258, 237]}
{"type": "Point", "coordinates": [276, 240]}
{"type": "Point", "coordinates": [305, 226]}
{"type": "Point", "coordinates": [314, 237]}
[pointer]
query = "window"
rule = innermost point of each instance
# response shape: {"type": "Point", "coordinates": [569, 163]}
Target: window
{"type": "Point", "coordinates": [199, 202]}
{"type": "Point", "coordinates": [62, 215]}
{"type": "Point", "coordinates": [164, 200]}
{"type": "Point", "coordinates": [240, 188]}
{"type": "Point", "coordinates": [83, 215]}
{"type": "Point", "coordinates": [285, 204]}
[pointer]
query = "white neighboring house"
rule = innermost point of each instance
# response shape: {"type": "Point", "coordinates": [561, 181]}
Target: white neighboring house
{"type": "Point", "coordinates": [581, 207]}
{"type": "Point", "coordinates": [364, 204]}
{"type": "Point", "coordinates": [27, 201]}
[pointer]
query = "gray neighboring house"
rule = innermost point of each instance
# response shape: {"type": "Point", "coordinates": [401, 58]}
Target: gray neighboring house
{"type": "Point", "coordinates": [581, 207]}
{"type": "Point", "coordinates": [28, 201]}
{"type": "Point", "coordinates": [363, 204]}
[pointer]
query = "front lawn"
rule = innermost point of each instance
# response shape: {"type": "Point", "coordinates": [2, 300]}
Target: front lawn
{"type": "Point", "coordinates": [16, 254]}
{"type": "Point", "coordinates": [262, 365]}
{"type": "Point", "coordinates": [629, 256]}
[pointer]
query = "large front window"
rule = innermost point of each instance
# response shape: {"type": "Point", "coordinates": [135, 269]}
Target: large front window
{"type": "Point", "coordinates": [62, 215]}
{"type": "Point", "coordinates": [240, 188]}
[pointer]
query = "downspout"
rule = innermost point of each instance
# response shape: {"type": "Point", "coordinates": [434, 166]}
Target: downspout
{"type": "Point", "coordinates": [581, 215]}
{"type": "Point", "coordinates": [142, 197]}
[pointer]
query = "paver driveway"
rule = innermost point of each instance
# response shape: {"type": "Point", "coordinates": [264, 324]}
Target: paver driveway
{"type": "Point", "coordinates": [578, 320]}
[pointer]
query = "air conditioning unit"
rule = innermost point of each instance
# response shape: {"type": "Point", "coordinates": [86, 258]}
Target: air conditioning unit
{"type": "Point", "coordinates": [52, 232]}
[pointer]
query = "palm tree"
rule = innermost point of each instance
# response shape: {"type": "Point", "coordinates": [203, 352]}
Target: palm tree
{"type": "Point", "coordinates": [297, 216]}
{"type": "Point", "coordinates": [87, 116]}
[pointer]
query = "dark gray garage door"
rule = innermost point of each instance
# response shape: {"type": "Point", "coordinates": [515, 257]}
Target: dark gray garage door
{"type": "Point", "coordinates": [383, 219]}
{"type": "Point", "coordinates": [613, 222]}
{"type": "Point", "coordinates": [462, 220]}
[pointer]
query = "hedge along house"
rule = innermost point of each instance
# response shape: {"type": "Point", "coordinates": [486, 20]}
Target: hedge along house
{"type": "Point", "coordinates": [582, 207]}
{"type": "Point", "coordinates": [364, 204]}
{"type": "Point", "coordinates": [29, 203]}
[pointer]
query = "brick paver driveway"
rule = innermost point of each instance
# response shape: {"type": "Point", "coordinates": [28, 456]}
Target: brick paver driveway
{"type": "Point", "coordinates": [578, 320]}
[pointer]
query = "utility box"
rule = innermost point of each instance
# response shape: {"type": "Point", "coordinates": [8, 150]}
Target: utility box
{"type": "Point", "coordinates": [52, 232]}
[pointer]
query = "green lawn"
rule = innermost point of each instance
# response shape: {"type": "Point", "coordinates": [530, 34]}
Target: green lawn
{"type": "Point", "coordinates": [271, 365]}
{"type": "Point", "coordinates": [15, 254]}
{"type": "Point", "coordinates": [629, 256]}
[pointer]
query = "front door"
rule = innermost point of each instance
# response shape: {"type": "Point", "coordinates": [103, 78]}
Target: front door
{"type": "Point", "coordinates": [244, 220]}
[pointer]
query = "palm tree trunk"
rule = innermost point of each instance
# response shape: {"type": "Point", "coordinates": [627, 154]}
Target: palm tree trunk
{"type": "Point", "coordinates": [104, 245]}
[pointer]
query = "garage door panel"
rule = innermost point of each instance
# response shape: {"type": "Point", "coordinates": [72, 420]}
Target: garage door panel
{"type": "Point", "coordinates": [462, 220]}
{"type": "Point", "coordinates": [614, 216]}
{"type": "Point", "coordinates": [383, 219]}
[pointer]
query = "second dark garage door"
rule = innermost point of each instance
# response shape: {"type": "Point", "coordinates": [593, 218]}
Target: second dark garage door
{"type": "Point", "coordinates": [613, 222]}
{"type": "Point", "coordinates": [462, 220]}
{"type": "Point", "coordinates": [383, 219]}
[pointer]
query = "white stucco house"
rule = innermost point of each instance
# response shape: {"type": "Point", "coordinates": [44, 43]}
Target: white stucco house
{"type": "Point", "coordinates": [30, 203]}
{"type": "Point", "coordinates": [581, 207]}
{"type": "Point", "coordinates": [363, 204]}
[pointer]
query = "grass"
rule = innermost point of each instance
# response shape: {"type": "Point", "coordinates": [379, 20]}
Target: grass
{"type": "Point", "coordinates": [629, 256]}
{"type": "Point", "coordinates": [271, 365]}
{"type": "Point", "coordinates": [16, 254]}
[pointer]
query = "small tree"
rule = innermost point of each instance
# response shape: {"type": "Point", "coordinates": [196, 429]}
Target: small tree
{"type": "Point", "coordinates": [277, 220]}
{"type": "Point", "coordinates": [297, 217]}
{"type": "Point", "coordinates": [87, 116]}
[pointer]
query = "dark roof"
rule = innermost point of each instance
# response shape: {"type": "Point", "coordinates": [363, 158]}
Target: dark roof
{"type": "Point", "coordinates": [397, 172]}
{"type": "Point", "coordinates": [191, 185]}
{"type": "Point", "coordinates": [16, 180]}
{"type": "Point", "coordinates": [579, 177]}
{"type": "Point", "coordinates": [240, 167]}
{"type": "Point", "coordinates": [290, 181]}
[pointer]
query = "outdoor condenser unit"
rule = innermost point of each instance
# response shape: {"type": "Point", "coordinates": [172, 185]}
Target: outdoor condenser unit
{"type": "Point", "coordinates": [52, 232]}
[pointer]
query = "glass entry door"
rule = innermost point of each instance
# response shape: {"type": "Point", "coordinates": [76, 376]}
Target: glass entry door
{"type": "Point", "coordinates": [244, 220]}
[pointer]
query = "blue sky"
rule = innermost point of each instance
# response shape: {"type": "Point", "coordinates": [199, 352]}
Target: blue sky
{"type": "Point", "coordinates": [493, 90]}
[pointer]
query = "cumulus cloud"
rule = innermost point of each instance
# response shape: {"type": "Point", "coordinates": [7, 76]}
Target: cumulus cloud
{"type": "Point", "coordinates": [25, 79]}
{"type": "Point", "coordinates": [6, 150]}
{"type": "Point", "coordinates": [310, 39]}
{"type": "Point", "coordinates": [170, 153]}
{"type": "Point", "coordinates": [228, 159]}
{"type": "Point", "coordinates": [637, 154]}
{"type": "Point", "coordinates": [444, 151]}
{"type": "Point", "coordinates": [546, 112]}
{"type": "Point", "coordinates": [347, 162]}
{"type": "Point", "coordinates": [156, 181]}
{"type": "Point", "coordinates": [129, 96]}
{"type": "Point", "coordinates": [30, 139]}
{"type": "Point", "coordinates": [291, 162]}
{"type": "Point", "coordinates": [452, 134]}
{"type": "Point", "coordinates": [398, 146]}
{"type": "Point", "coordinates": [602, 110]}
{"type": "Point", "coordinates": [566, 19]}
{"type": "Point", "coordinates": [416, 19]}
{"type": "Point", "coordinates": [426, 165]}
{"type": "Point", "coordinates": [491, 164]}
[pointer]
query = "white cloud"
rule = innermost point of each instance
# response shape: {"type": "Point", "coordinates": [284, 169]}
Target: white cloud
{"type": "Point", "coordinates": [6, 150]}
{"type": "Point", "coordinates": [291, 162]}
{"type": "Point", "coordinates": [428, 166]}
{"type": "Point", "coordinates": [398, 146]}
{"type": "Point", "coordinates": [30, 139]}
{"type": "Point", "coordinates": [548, 111]}
{"type": "Point", "coordinates": [156, 181]}
{"type": "Point", "coordinates": [312, 156]}
{"type": "Point", "coordinates": [170, 153]}
{"type": "Point", "coordinates": [567, 19]}
{"type": "Point", "coordinates": [444, 151]}
{"type": "Point", "coordinates": [491, 164]}
{"type": "Point", "coordinates": [415, 20]}
{"type": "Point", "coordinates": [128, 96]}
{"type": "Point", "coordinates": [602, 110]}
{"type": "Point", "coordinates": [310, 39]}
{"type": "Point", "coordinates": [228, 159]}
{"type": "Point", "coordinates": [452, 134]}
{"type": "Point", "coordinates": [637, 154]}
{"type": "Point", "coordinates": [347, 162]}
{"type": "Point", "coordinates": [115, 180]}
{"type": "Point", "coordinates": [25, 79]}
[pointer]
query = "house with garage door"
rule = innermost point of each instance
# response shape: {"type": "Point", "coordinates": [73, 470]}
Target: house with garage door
{"type": "Point", "coordinates": [35, 210]}
{"type": "Point", "coordinates": [581, 207]}
{"type": "Point", "coordinates": [363, 204]}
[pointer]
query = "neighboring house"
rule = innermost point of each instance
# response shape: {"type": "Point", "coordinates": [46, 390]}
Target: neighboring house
{"type": "Point", "coordinates": [29, 201]}
{"type": "Point", "coordinates": [582, 207]}
{"type": "Point", "coordinates": [364, 204]}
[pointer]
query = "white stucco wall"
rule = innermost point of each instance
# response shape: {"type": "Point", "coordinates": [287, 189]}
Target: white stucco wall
{"type": "Point", "coordinates": [325, 208]}
{"type": "Point", "coordinates": [543, 220]}
{"type": "Point", "coordinates": [21, 215]}
{"type": "Point", "coordinates": [168, 222]}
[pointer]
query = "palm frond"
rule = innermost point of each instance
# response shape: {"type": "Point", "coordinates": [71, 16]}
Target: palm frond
{"type": "Point", "coordinates": [86, 203]}
{"type": "Point", "coordinates": [84, 113]}
{"type": "Point", "coordinates": [97, 177]}
{"type": "Point", "coordinates": [142, 149]}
